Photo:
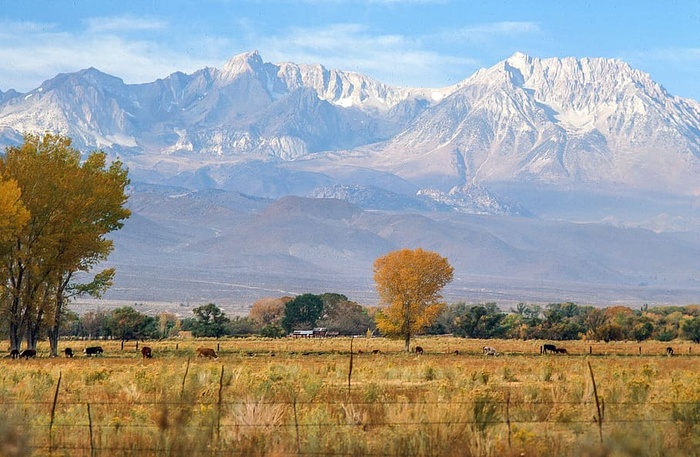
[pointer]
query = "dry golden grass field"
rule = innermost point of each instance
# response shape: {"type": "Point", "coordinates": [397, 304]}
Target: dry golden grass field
{"type": "Point", "coordinates": [294, 397]}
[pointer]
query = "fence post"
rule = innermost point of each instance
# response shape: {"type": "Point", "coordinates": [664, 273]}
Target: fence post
{"type": "Point", "coordinates": [350, 369]}
{"type": "Point", "coordinates": [597, 404]}
{"type": "Point", "coordinates": [296, 424]}
{"type": "Point", "coordinates": [508, 417]}
{"type": "Point", "coordinates": [184, 377]}
{"type": "Point", "coordinates": [53, 412]}
{"type": "Point", "coordinates": [218, 408]}
{"type": "Point", "coordinates": [92, 441]}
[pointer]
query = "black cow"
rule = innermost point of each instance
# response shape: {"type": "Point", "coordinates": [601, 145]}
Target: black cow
{"type": "Point", "coordinates": [68, 352]}
{"type": "Point", "coordinates": [419, 350]}
{"type": "Point", "coordinates": [146, 352]}
{"type": "Point", "coordinates": [669, 351]}
{"type": "Point", "coordinates": [547, 348]}
{"type": "Point", "coordinates": [27, 353]}
{"type": "Point", "coordinates": [14, 354]}
{"type": "Point", "coordinates": [93, 350]}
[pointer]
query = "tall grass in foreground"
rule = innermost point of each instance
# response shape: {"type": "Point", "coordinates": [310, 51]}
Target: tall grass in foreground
{"type": "Point", "coordinates": [291, 397]}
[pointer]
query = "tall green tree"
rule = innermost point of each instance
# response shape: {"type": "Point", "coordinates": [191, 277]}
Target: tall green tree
{"type": "Point", "coordinates": [481, 321]}
{"type": "Point", "coordinates": [302, 312]}
{"type": "Point", "coordinates": [690, 328]}
{"type": "Point", "coordinates": [409, 282]}
{"type": "Point", "coordinates": [72, 205]}
{"type": "Point", "coordinates": [210, 321]}
{"type": "Point", "coordinates": [344, 316]}
{"type": "Point", "coordinates": [126, 323]}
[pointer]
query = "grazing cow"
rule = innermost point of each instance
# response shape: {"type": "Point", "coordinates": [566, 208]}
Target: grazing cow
{"type": "Point", "coordinates": [561, 351]}
{"type": "Point", "coordinates": [548, 348]}
{"type": "Point", "coordinates": [419, 350]}
{"type": "Point", "coordinates": [375, 351]}
{"type": "Point", "coordinates": [669, 351]}
{"type": "Point", "coordinates": [488, 350]}
{"type": "Point", "coordinates": [146, 352]}
{"type": "Point", "coordinates": [207, 352]}
{"type": "Point", "coordinates": [68, 352]}
{"type": "Point", "coordinates": [27, 353]}
{"type": "Point", "coordinates": [14, 354]}
{"type": "Point", "coordinates": [93, 350]}
{"type": "Point", "coordinates": [456, 352]}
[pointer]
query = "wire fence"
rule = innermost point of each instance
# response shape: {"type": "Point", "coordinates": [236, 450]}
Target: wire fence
{"type": "Point", "coordinates": [90, 428]}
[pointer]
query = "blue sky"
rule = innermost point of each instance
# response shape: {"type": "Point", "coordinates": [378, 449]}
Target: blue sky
{"type": "Point", "coordinates": [428, 43]}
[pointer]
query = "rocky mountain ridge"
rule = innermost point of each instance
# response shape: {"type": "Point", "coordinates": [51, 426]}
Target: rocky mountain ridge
{"type": "Point", "coordinates": [565, 122]}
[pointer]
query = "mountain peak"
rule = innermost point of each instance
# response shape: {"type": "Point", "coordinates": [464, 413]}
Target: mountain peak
{"type": "Point", "coordinates": [247, 62]}
{"type": "Point", "coordinates": [89, 76]}
{"type": "Point", "coordinates": [518, 59]}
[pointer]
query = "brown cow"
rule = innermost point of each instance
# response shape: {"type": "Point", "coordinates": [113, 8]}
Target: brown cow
{"type": "Point", "coordinates": [207, 352]}
{"type": "Point", "coordinates": [419, 350]}
{"type": "Point", "coordinates": [562, 351]}
{"type": "Point", "coordinates": [146, 352]}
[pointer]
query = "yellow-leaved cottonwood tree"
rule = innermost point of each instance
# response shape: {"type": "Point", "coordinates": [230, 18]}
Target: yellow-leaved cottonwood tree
{"type": "Point", "coordinates": [72, 205]}
{"type": "Point", "coordinates": [409, 282]}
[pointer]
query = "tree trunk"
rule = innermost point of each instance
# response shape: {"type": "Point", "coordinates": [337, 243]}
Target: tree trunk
{"type": "Point", "coordinates": [408, 342]}
{"type": "Point", "coordinates": [15, 335]}
{"type": "Point", "coordinates": [55, 327]}
{"type": "Point", "coordinates": [34, 327]}
{"type": "Point", "coordinates": [32, 339]}
{"type": "Point", "coordinates": [16, 324]}
{"type": "Point", "coordinates": [53, 341]}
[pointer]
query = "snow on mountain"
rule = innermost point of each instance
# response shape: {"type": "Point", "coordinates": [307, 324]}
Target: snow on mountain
{"type": "Point", "coordinates": [553, 121]}
{"type": "Point", "coordinates": [591, 123]}
{"type": "Point", "coordinates": [589, 141]}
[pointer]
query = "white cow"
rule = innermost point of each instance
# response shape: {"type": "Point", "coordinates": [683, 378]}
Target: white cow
{"type": "Point", "coordinates": [488, 350]}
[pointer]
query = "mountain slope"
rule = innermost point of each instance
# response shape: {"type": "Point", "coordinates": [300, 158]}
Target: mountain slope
{"type": "Point", "coordinates": [553, 121]}
{"type": "Point", "coordinates": [182, 246]}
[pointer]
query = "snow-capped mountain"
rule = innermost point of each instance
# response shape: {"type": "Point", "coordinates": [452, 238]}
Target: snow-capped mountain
{"type": "Point", "coordinates": [562, 123]}
{"type": "Point", "coordinates": [220, 159]}
{"type": "Point", "coordinates": [553, 121]}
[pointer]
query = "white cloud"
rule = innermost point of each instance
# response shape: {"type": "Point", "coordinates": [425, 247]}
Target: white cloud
{"type": "Point", "coordinates": [34, 52]}
{"type": "Point", "coordinates": [391, 58]}
{"type": "Point", "coordinates": [690, 56]}
{"type": "Point", "coordinates": [122, 24]}
{"type": "Point", "coordinates": [488, 32]}
{"type": "Point", "coordinates": [143, 49]}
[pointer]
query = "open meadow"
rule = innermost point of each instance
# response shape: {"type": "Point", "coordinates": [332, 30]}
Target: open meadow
{"type": "Point", "coordinates": [309, 397]}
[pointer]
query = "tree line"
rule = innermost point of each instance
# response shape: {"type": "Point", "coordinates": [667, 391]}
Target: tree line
{"type": "Point", "coordinates": [278, 317]}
